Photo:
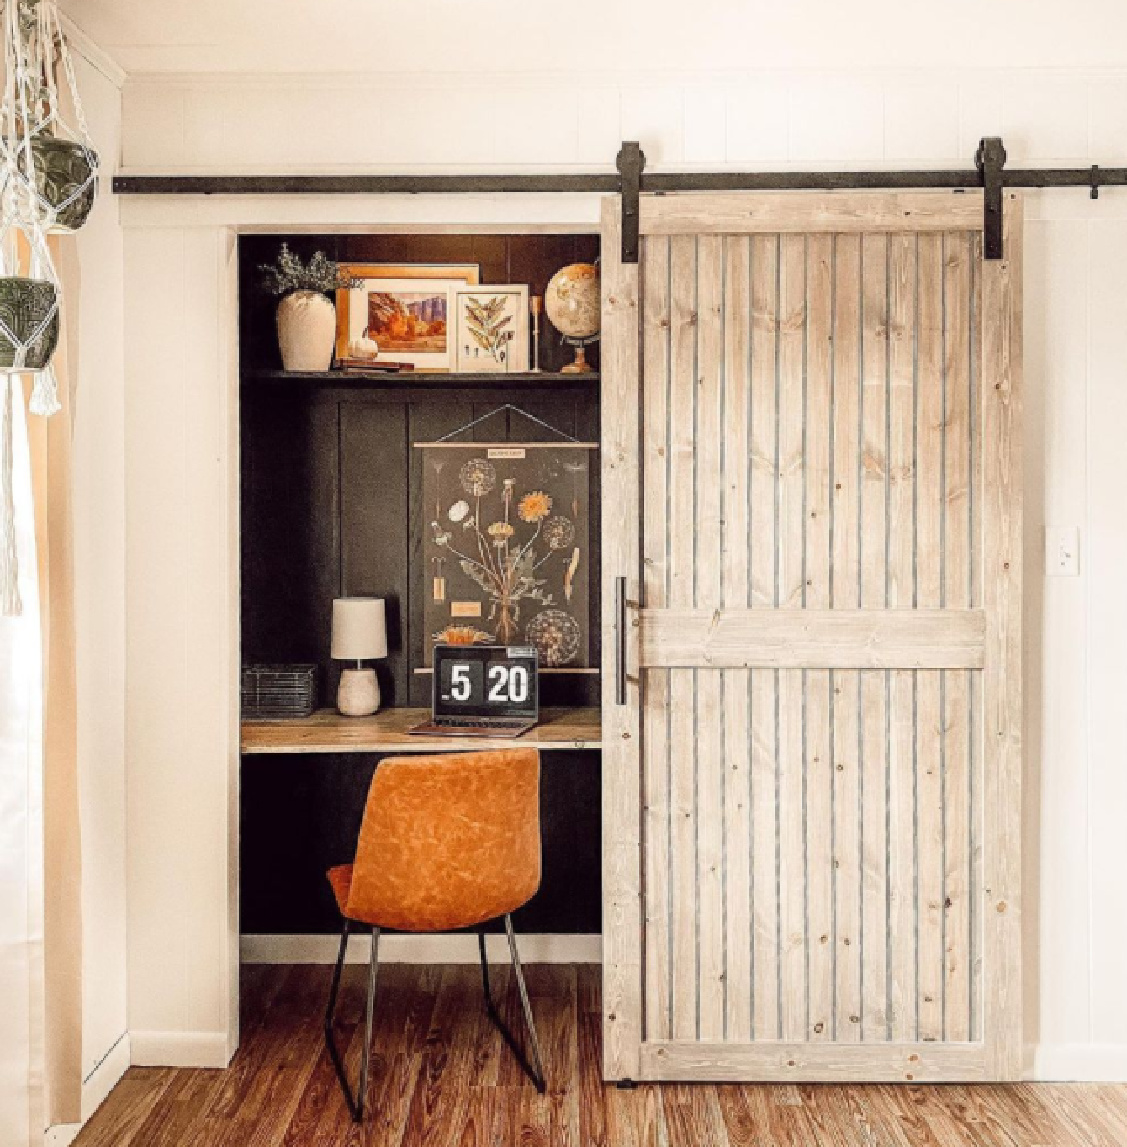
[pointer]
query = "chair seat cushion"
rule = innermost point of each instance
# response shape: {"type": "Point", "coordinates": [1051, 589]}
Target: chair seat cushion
{"type": "Point", "coordinates": [341, 880]}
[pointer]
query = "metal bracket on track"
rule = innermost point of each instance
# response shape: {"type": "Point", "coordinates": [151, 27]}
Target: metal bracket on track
{"type": "Point", "coordinates": [630, 163]}
{"type": "Point", "coordinates": [990, 159]}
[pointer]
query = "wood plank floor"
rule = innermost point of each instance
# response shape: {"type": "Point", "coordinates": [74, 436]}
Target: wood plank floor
{"type": "Point", "coordinates": [441, 1076]}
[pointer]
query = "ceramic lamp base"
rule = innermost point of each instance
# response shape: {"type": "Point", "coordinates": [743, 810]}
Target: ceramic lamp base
{"type": "Point", "coordinates": [359, 693]}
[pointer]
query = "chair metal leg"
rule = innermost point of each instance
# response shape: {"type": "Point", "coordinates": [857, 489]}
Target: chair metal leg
{"type": "Point", "coordinates": [535, 1069]}
{"type": "Point", "coordinates": [355, 1105]}
{"type": "Point", "coordinates": [365, 1059]}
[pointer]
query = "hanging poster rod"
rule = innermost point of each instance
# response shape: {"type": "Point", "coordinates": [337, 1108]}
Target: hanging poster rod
{"type": "Point", "coordinates": [989, 173]}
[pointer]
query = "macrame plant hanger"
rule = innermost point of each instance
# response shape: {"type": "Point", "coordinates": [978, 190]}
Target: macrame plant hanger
{"type": "Point", "coordinates": [48, 181]}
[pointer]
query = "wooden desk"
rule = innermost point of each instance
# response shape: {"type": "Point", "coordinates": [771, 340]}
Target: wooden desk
{"type": "Point", "coordinates": [328, 732]}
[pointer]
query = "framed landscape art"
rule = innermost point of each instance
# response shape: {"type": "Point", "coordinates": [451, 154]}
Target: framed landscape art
{"type": "Point", "coordinates": [405, 308]}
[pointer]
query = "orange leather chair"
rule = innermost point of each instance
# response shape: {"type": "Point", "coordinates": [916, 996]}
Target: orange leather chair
{"type": "Point", "coordinates": [449, 841]}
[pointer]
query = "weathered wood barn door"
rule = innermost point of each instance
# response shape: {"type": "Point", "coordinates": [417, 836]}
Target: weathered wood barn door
{"type": "Point", "coordinates": [811, 408]}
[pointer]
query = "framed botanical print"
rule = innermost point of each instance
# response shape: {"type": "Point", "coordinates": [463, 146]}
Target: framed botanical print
{"type": "Point", "coordinates": [507, 548]}
{"type": "Point", "coordinates": [491, 329]}
{"type": "Point", "coordinates": [405, 308]}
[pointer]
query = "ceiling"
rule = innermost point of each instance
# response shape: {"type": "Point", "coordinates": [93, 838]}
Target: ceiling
{"type": "Point", "coordinates": [598, 36]}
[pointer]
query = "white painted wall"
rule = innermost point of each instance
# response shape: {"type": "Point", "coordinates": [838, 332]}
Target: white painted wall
{"type": "Point", "coordinates": [665, 36]}
{"type": "Point", "coordinates": [92, 266]}
{"type": "Point", "coordinates": [178, 430]}
{"type": "Point", "coordinates": [811, 117]}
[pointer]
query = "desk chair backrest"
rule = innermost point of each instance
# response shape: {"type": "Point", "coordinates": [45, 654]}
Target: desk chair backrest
{"type": "Point", "coordinates": [448, 841]}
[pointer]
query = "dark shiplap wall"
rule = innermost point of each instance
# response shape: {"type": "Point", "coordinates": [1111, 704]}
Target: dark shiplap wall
{"type": "Point", "coordinates": [331, 506]}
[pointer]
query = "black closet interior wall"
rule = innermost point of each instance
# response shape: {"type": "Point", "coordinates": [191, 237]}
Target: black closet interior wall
{"type": "Point", "coordinates": [331, 506]}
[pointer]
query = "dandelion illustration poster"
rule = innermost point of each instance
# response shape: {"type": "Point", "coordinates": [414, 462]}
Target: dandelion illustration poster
{"type": "Point", "coordinates": [507, 547]}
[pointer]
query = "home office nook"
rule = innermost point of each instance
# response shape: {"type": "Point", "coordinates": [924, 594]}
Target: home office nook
{"type": "Point", "coordinates": [336, 502]}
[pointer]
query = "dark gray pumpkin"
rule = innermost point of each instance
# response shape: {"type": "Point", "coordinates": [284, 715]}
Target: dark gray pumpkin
{"type": "Point", "coordinates": [61, 168]}
{"type": "Point", "coordinates": [24, 303]}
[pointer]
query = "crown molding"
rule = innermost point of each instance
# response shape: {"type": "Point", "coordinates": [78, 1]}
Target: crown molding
{"type": "Point", "coordinates": [389, 78]}
{"type": "Point", "coordinates": [94, 55]}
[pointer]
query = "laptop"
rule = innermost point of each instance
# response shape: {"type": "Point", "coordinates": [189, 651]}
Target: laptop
{"type": "Point", "coordinates": [482, 691]}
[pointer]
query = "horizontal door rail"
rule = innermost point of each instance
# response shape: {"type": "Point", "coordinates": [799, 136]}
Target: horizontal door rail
{"type": "Point", "coordinates": [718, 213]}
{"type": "Point", "coordinates": [779, 1061]}
{"type": "Point", "coordinates": [812, 638]}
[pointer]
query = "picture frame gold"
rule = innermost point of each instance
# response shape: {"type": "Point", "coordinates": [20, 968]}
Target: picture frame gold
{"type": "Point", "coordinates": [409, 317]}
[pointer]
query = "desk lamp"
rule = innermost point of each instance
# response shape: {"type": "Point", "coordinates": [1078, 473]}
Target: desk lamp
{"type": "Point", "coordinates": [359, 634]}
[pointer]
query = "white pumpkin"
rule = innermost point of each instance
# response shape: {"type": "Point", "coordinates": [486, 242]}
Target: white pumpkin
{"type": "Point", "coordinates": [363, 347]}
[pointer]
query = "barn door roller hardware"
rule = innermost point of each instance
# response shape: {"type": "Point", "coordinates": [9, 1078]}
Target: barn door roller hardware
{"type": "Point", "coordinates": [631, 180]}
{"type": "Point", "coordinates": [630, 163]}
{"type": "Point", "coordinates": [990, 159]}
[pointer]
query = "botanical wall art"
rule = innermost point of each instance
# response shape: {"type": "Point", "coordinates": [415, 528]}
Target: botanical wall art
{"type": "Point", "coordinates": [406, 309]}
{"type": "Point", "coordinates": [507, 547]}
{"type": "Point", "coordinates": [492, 329]}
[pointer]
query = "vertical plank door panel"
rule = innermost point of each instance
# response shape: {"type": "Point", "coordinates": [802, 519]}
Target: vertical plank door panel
{"type": "Point", "coordinates": [959, 267]}
{"type": "Point", "coordinates": [874, 595]}
{"type": "Point", "coordinates": [735, 592]}
{"type": "Point", "coordinates": [765, 351]}
{"type": "Point", "coordinates": [845, 593]}
{"type": "Point", "coordinates": [622, 789]}
{"type": "Point", "coordinates": [930, 438]}
{"type": "Point", "coordinates": [682, 682]}
{"type": "Point", "coordinates": [790, 558]}
{"type": "Point", "coordinates": [902, 924]}
{"type": "Point", "coordinates": [817, 780]}
{"type": "Point", "coordinates": [708, 568]}
{"type": "Point", "coordinates": [655, 587]}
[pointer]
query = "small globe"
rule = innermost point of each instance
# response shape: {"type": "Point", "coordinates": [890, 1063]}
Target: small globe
{"type": "Point", "coordinates": [572, 301]}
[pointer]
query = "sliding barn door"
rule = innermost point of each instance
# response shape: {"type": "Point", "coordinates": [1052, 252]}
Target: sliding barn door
{"type": "Point", "coordinates": [812, 575]}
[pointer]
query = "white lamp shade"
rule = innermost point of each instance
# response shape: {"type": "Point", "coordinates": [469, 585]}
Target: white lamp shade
{"type": "Point", "coordinates": [359, 628]}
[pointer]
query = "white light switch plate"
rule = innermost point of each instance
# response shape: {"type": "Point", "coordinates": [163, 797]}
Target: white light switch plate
{"type": "Point", "coordinates": [1062, 551]}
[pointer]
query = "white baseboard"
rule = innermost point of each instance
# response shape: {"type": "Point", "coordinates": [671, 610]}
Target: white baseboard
{"type": "Point", "coordinates": [1080, 1062]}
{"type": "Point", "coordinates": [179, 1049]}
{"type": "Point", "coordinates": [102, 1080]}
{"type": "Point", "coordinates": [95, 1087]}
{"type": "Point", "coordinates": [401, 948]}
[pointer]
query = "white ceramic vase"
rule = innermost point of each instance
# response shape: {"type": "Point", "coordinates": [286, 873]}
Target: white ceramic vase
{"type": "Point", "coordinates": [307, 329]}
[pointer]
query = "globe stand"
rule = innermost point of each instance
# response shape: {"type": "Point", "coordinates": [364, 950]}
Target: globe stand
{"type": "Point", "coordinates": [580, 365]}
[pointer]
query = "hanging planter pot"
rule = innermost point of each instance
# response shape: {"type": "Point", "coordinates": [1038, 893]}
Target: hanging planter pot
{"type": "Point", "coordinates": [29, 323]}
{"type": "Point", "coordinates": [66, 177]}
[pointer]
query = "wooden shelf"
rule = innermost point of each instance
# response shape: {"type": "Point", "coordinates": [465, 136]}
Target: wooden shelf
{"type": "Point", "coordinates": [328, 732]}
{"type": "Point", "coordinates": [420, 380]}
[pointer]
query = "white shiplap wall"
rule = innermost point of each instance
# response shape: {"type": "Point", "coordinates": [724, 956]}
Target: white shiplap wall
{"type": "Point", "coordinates": [790, 118]}
{"type": "Point", "coordinates": [1076, 323]}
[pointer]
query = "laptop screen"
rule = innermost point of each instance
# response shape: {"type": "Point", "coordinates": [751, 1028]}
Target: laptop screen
{"type": "Point", "coordinates": [485, 681]}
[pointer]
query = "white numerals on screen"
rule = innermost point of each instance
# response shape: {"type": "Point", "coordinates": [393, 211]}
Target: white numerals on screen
{"type": "Point", "coordinates": [460, 685]}
{"type": "Point", "coordinates": [508, 683]}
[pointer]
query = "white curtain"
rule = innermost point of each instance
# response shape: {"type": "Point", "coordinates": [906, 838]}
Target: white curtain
{"type": "Point", "coordinates": [22, 1107]}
